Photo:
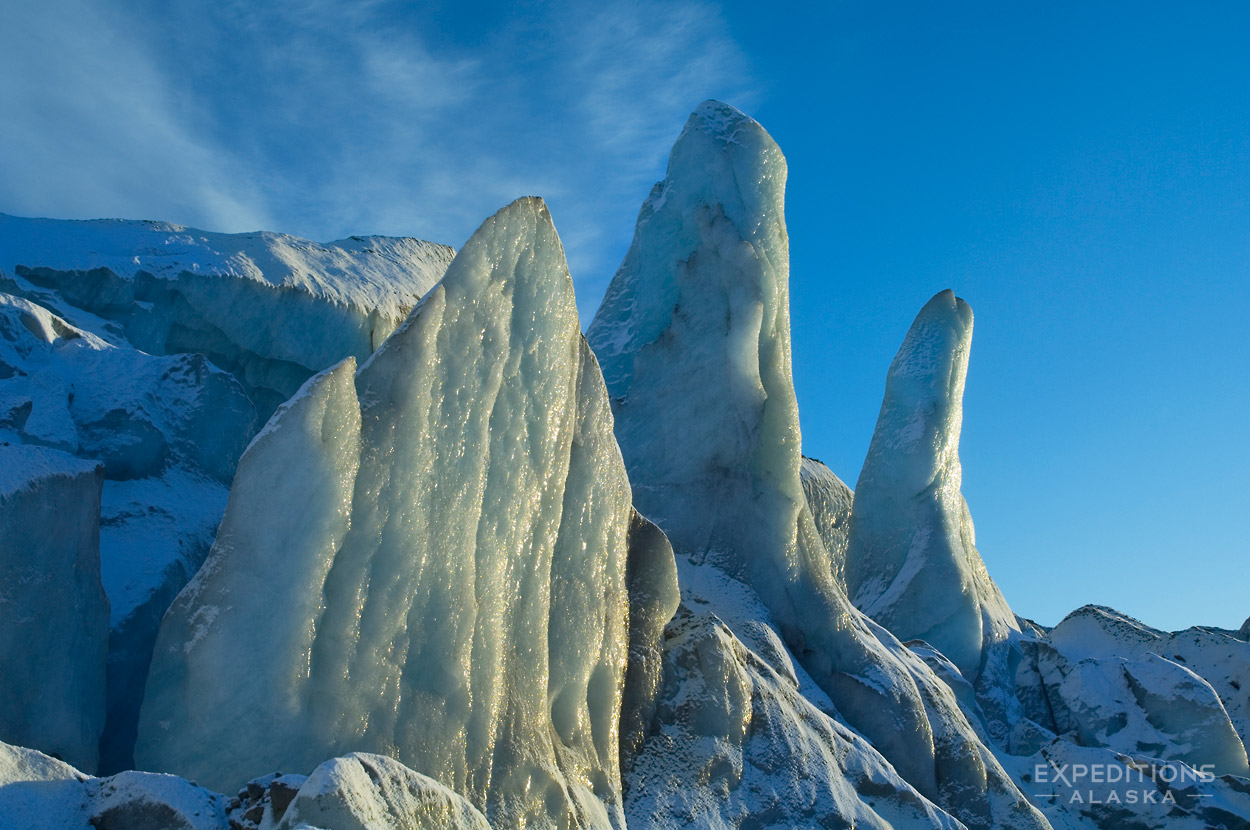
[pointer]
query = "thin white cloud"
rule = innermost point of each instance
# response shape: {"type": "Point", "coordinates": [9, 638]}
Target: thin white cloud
{"type": "Point", "coordinates": [91, 127]}
{"type": "Point", "coordinates": [325, 119]}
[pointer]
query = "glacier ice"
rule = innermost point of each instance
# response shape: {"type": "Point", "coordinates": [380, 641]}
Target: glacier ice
{"type": "Point", "coordinates": [168, 431]}
{"type": "Point", "coordinates": [651, 579]}
{"type": "Point", "coordinates": [53, 609]}
{"type": "Point", "coordinates": [1220, 657]}
{"type": "Point", "coordinates": [1109, 681]}
{"type": "Point", "coordinates": [829, 500]}
{"type": "Point", "coordinates": [273, 309]}
{"type": "Point", "coordinates": [450, 533]}
{"type": "Point", "coordinates": [911, 559]}
{"type": "Point", "coordinates": [432, 566]}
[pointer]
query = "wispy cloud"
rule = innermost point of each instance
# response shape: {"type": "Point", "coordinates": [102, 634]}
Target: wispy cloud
{"type": "Point", "coordinates": [91, 126]}
{"type": "Point", "coordinates": [324, 119]}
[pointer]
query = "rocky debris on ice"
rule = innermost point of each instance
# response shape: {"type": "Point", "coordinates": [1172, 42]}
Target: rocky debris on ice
{"type": "Point", "coordinates": [452, 525]}
{"type": "Point", "coordinates": [911, 558]}
{"type": "Point", "coordinates": [53, 609]}
{"type": "Point", "coordinates": [273, 309]}
{"type": "Point", "coordinates": [168, 431]}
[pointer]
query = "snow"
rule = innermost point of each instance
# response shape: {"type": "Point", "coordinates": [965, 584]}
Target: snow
{"type": "Point", "coordinates": [168, 431]}
{"type": "Point", "coordinates": [53, 609]}
{"type": "Point", "coordinates": [387, 274]}
{"type": "Point", "coordinates": [374, 792]}
{"type": "Point", "coordinates": [911, 559]}
{"type": "Point", "coordinates": [272, 309]}
{"type": "Point", "coordinates": [436, 556]}
{"type": "Point", "coordinates": [739, 746]}
{"type": "Point", "coordinates": [1116, 683]}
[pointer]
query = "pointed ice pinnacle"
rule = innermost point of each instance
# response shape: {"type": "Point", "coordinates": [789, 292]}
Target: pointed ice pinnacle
{"type": "Point", "coordinates": [694, 339]}
{"type": "Point", "coordinates": [911, 562]}
{"type": "Point", "coordinates": [436, 558]}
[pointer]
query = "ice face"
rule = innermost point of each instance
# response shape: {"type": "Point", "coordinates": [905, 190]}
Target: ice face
{"type": "Point", "coordinates": [911, 560]}
{"type": "Point", "coordinates": [53, 609]}
{"type": "Point", "coordinates": [168, 431]}
{"type": "Point", "coordinates": [272, 309]}
{"type": "Point", "coordinates": [651, 574]}
{"type": "Point", "coordinates": [437, 557]}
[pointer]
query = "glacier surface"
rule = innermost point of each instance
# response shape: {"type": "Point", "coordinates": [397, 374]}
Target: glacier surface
{"type": "Point", "coordinates": [167, 431]}
{"type": "Point", "coordinates": [273, 309]}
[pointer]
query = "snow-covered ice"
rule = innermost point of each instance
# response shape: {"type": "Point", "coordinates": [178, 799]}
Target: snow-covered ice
{"type": "Point", "coordinates": [41, 793]}
{"type": "Point", "coordinates": [271, 308]}
{"type": "Point", "coordinates": [168, 431]}
{"type": "Point", "coordinates": [373, 792]}
{"type": "Point", "coordinates": [53, 609]}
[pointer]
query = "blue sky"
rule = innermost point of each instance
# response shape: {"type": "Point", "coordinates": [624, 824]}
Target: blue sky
{"type": "Point", "coordinates": [1080, 173]}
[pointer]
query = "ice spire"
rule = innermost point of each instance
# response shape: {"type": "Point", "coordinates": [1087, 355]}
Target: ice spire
{"type": "Point", "coordinates": [912, 563]}
{"type": "Point", "coordinates": [694, 338]}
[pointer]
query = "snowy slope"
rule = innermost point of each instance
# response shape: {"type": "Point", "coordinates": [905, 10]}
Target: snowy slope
{"type": "Point", "coordinates": [273, 309]}
{"type": "Point", "coordinates": [167, 431]}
